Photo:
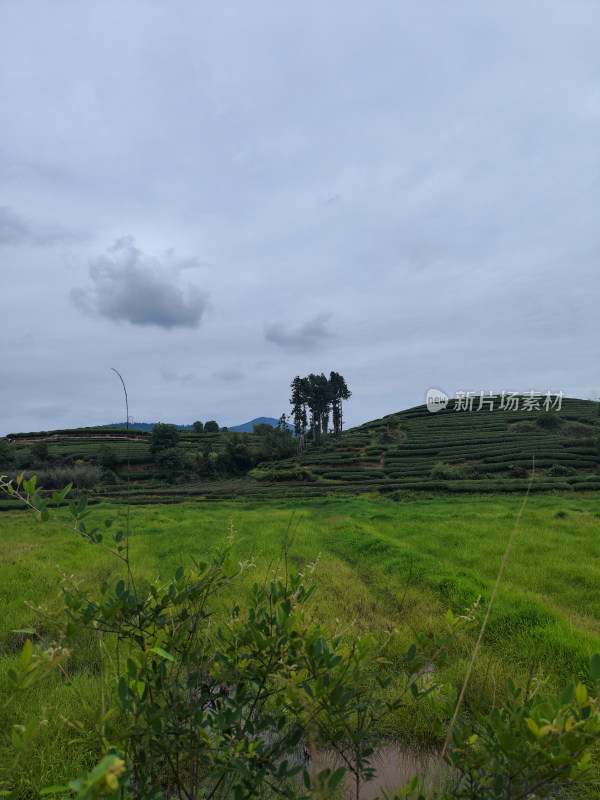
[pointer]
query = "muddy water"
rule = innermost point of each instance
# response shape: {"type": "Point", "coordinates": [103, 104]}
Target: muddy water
{"type": "Point", "coordinates": [395, 764]}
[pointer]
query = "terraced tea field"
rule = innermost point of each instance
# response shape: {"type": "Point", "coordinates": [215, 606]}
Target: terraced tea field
{"type": "Point", "coordinates": [462, 451]}
{"type": "Point", "coordinates": [411, 451]}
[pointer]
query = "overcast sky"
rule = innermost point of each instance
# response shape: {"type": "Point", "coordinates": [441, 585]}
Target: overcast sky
{"type": "Point", "coordinates": [215, 196]}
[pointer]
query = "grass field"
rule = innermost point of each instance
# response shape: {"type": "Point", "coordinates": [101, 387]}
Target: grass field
{"type": "Point", "coordinates": [382, 565]}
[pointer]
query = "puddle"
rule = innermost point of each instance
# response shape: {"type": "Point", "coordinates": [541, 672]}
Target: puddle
{"type": "Point", "coordinates": [395, 766]}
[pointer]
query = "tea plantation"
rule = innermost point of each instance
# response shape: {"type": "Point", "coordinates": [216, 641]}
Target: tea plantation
{"type": "Point", "coordinates": [411, 451]}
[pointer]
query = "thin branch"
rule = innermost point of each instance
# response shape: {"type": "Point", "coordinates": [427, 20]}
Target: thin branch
{"type": "Point", "coordinates": [128, 512]}
{"type": "Point", "coordinates": [481, 632]}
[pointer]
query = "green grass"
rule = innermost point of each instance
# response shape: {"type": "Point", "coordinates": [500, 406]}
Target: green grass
{"type": "Point", "coordinates": [450, 548]}
{"type": "Point", "coordinates": [382, 565]}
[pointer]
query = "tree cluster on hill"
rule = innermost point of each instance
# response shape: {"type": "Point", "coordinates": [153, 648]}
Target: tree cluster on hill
{"type": "Point", "coordinates": [321, 396]}
{"type": "Point", "coordinates": [276, 443]}
{"type": "Point", "coordinates": [208, 427]}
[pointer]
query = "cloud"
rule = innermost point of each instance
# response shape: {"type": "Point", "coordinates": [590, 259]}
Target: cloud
{"type": "Point", "coordinates": [178, 377]}
{"type": "Point", "coordinates": [300, 337]}
{"type": "Point", "coordinates": [12, 229]}
{"type": "Point", "coordinates": [229, 375]}
{"type": "Point", "coordinates": [16, 231]}
{"type": "Point", "coordinates": [129, 286]}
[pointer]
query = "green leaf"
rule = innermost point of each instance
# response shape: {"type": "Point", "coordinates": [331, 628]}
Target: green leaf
{"type": "Point", "coordinates": [123, 691]}
{"type": "Point", "coordinates": [581, 694]}
{"type": "Point", "coordinates": [24, 630]}
{"type": "Point", "coordinates": [567, 696]}
{"type": "Point", "coordinates": [306, 778]}
{"type": "Point", "coordinates": [58, 497]}
{"type": "Point", "coordinates": [30, 730]}
{"type": "Point", "coordinates": [26, 654]}
{"type": "Point", "coordinates": [82, 503]}
{"type": "Point", "coordinates": [159, 651]}
{"type": "Point", "coordinates": [29, 485]}
{"type": "Point", "coordinates": [336, 777]}
{"type": "Point", "coordinates": [595, 666]}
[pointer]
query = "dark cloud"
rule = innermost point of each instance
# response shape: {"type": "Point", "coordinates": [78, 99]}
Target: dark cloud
{"type": "Point", "coordinates": [129, 286]}
{"type": "Point", "coordinates": [299, 337]}
{"type": "Point", "coordinates": [16, 231]}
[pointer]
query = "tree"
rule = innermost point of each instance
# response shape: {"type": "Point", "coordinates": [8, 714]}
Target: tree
{"type": "Point", "coordinates": [298, 401]}
{"type": "Point", "coordinates": [40, 451]}
{"type": "Point", "coordinates": [262, 428]}
{"type": "Point", "coordinates": [339, 392]}
{"type": "Point", "coordinates": [237, 458]}
{"type": "Point", "coordinates": [321, 396]}
{"type": "Point", "coordinates": [5, 452]}
{"type": "Point", "coordinates": [276, 442]}
{"type": "Point", "coordinates": [163, 437]}
{"type": "Point", "coordinates": [198, 426]}
{"type": "Point", "coordinates": [170, 461]}
{"type": "Point", "coordinates": [107, 457]}
{"type": "Point", "coordinates": [211, 426]}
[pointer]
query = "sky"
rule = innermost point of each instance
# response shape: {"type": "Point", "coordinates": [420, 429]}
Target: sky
{"type": "Point", "coordinates": [214, 197]}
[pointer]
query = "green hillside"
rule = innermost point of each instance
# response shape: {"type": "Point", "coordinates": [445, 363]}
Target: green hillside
{"type": "Point", "coordinates": [413, 450]}
{"type": "Point", "coordinates": [463, 451]}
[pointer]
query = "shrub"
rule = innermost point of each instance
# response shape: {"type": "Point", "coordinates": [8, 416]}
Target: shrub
{"type": "Point", "coordinates": [6, 455]}
{"type": "Point", "coordinates": [282, 475]}
{"type": "Point", "coordinates": [22, 458]}
{"type": "Point", "coordinates": [517, 471]}
{"type": "Point", "coordinates": [163, 437]}
{"type": "Point", "coordinates": [170, 462]}
{"type": "Point", "coordinates": [560, 470]}
{"type": "Point", "coordinates": [548, 420]}
{"type": "Point", "coordinates": [40, 451]}
{"type": "Point", "coordinates": [441, 471]}
{"type": "Point", "coordinates": [107, 457]}
{"type": "Point", "coordinates": [81, 475]}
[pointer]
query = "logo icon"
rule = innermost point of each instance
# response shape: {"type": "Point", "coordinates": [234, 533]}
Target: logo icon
{"type": "Point", "coordinates": [436, 400]}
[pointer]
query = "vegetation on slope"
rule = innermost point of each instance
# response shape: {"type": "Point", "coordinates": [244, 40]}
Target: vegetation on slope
{"type": "Point", "coordinates": [414, 450]}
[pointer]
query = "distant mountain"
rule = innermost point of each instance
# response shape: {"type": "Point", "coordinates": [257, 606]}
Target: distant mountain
{"type": "Point", "coordinates": [248, 427]}
{"type": "Point", "coordinates": [144, 426]}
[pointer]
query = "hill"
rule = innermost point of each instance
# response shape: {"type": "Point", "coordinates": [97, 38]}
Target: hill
{"type": "Point", "coordinates": [412, 450]}
{"type": "Point", "coordinates": [144, 426]}
{"type": "Point", "coordinates": [248, 427]}
{"type": "Point", "coordinates": [456, 450]}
